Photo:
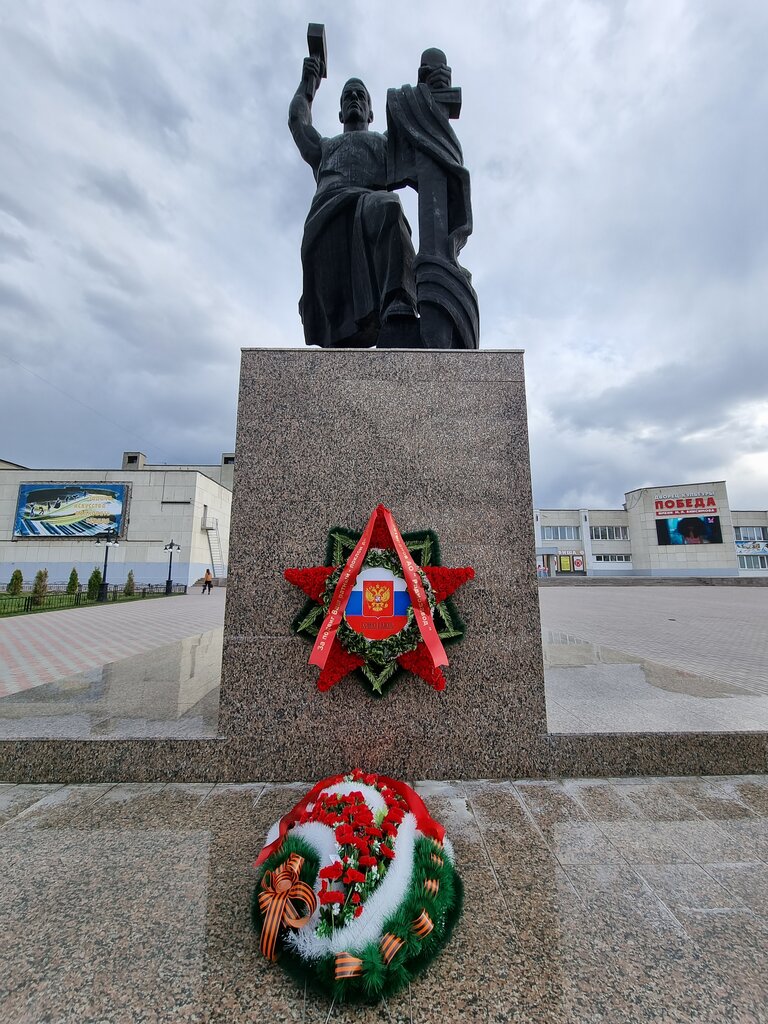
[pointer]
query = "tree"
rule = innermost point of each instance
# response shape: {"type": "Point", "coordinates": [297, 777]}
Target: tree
{"type": "Point", "coordinates": [40, 587]}
{"type": "Point", "coordinates": [15, 583]}
{"type": "Point", "coordinates": [94, 582]}
{"type": "Point", "coordinates": [130, 585]}
{"type": "Point", "coordinates": [74, 582]}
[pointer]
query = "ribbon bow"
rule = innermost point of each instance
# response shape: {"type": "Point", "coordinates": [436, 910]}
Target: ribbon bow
{"type": "Point", "coordinates": [280, 888]}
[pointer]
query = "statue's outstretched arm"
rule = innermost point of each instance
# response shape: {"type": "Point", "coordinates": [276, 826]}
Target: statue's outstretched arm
{"type": "Point", "coordinates": [306, 137]}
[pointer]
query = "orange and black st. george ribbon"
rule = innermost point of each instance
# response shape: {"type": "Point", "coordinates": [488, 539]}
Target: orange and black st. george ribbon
{"type": "Point", "coordinates": [389, 946]}
{"type": "Point", "coordinates": [280, 888]}
{"type": "Point", "coordinates": [348, 966]}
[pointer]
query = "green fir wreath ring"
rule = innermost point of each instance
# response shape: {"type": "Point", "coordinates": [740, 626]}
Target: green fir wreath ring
{"type": "Point", "coordinates": [380, 652]}
{"type": "Point", "coordinates": [356, 891]}
{"type": "Point", "coordinates": [379, 661]}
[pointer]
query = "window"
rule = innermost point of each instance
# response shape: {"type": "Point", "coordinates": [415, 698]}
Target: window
{"type": "Point", "coordinates": [229, 460]}
{"type": "Point", "coordinates": [613, 558]}
{"type": "Point", "coordinates": [560, 533]}
{"type": "Point", "coordinates": [609, 533]}
{"type": "Point", "coordinates": [753, 561]}
{"type": "Point", "coordinates": [751, 532]}
{"type": "Point", "coordinates": [132, 460]}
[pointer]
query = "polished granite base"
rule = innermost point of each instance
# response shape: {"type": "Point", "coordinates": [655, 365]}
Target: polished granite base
{"type": "Point", "coordinates": [441, 439]}
{"type": "Point", "coordinates": [620, 900]}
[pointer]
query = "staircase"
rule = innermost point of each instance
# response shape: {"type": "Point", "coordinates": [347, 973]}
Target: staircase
{"type": "Point", "coordinates": [211, 527]}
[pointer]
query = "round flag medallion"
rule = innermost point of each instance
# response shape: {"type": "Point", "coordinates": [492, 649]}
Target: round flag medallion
{"type": "Point", "coordinates": [378, 604]}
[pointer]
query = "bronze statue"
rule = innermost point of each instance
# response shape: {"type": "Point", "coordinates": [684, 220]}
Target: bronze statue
{"type": "Point", "coordinates": [362, 283]}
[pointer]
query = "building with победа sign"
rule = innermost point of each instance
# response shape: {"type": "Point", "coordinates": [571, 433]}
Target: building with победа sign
{"type": "Point", "coordinates": [51, 519]}
{"type": "Point", "coordinates": [677, 530]}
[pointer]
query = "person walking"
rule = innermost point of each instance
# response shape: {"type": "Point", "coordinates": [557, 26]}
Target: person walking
{"type": "Point", "coordinates": [207, 580]}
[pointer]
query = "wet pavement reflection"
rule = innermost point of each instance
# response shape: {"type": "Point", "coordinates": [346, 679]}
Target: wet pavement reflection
{"type": "Point", "coordinates": [586, 900]}
{"type": "Point", "coordinates": [170, 692]}
{"type": "Point", "coordinates": [593, 688]}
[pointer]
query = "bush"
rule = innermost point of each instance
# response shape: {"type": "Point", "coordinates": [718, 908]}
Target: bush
{"type": "Point", "coordinates": [15, 583]}
{"type": "Point", "coordinates": [74, 582]}
{"type": "Point", "coordinates": [40, 587]}
{"type": "Point", "coordinates": [130, 585]}
{"type": "Point", "coordinates": [94, 582]}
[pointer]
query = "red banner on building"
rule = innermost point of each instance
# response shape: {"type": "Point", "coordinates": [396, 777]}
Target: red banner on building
{"type": "Point", "coordinates": [703, 505]}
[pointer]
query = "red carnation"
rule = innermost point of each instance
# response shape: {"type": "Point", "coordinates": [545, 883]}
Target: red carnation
{"type": "Point", "coordinates": [312, 581]}
{"type": "Point", "coordinates": [389, 828]}
{"type": "Point", "coordinates": [344, 834]}
{"type": "Point", "coordinates": [373, 831]}
{"type": "Point", "coordinates": [353, 875]}
{"type": "Point", "coordinates": [340, 663]}
{"type": "Point", "coordinates": [331, 897]}
{"type": "Point", "coordinates": [445, 580]}
{"type": "Point", "coordinates": [386, 851]}
{"type": "Point", "coordinates": [333, 871]}
{"type": "Point", "coordinates": [355, 897]}
{"type": "Point", "coordinates": [367, 862]}
{"type": "Point", "coordinates": [420, 663]}
{"type": "Point", "coordinates": [358, 911]}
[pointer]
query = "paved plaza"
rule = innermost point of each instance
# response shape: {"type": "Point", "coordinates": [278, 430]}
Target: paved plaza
{"type": "Point", "coordinates": [613, 900]}
{"type": "Point", "coordinates": [655, 659]}
{"type": "Point", "coordinates": [591, 900]}
{"type": "Point", "coordinates": [42, 648]}
{"type": "Point", "coordinates": [617, 659]}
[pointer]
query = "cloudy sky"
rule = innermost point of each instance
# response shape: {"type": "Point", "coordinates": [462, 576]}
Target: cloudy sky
{"type": "Point", "coordinates": [152, 203]}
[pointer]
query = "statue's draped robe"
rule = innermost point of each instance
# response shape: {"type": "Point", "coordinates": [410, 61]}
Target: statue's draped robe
{"type": "Point", "coordinates": [356, 253]}
{"type": "Point", "coordinates": [423, 152]}
{"type": "Point", "coordinates": [417, 124]}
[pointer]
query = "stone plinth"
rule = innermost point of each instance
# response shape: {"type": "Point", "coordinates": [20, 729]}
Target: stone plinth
{"type": "Point", "coordinates": [440, 438]}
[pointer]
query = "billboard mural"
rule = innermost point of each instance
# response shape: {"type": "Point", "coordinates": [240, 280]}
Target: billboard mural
{"type": "Point", "coordinates": [689, 530]}
{"type": "Point", "coordinates": [752, 547]}
{"type": "Point", "coordinates": [70, 511]}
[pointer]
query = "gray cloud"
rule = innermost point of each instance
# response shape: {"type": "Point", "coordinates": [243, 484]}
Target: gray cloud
{"type": "Point", "coordinates": [12, 247]}
{"type": "Point", "coordinates": [14, 300]}
{"type": "Point", "coordinates": [117, 190]}
{"type": "Point", "coordinates": [621, 235]}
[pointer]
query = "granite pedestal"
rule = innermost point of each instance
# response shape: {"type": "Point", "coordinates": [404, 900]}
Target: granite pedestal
{"type": "Point", "coordinates": [440, 438]}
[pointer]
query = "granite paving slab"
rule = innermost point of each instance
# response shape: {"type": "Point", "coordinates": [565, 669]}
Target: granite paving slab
{"type": "Point", "coordinates": [130, 902]}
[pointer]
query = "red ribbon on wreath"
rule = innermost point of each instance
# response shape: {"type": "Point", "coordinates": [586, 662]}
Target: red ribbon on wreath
{"type": "Point", "coordinates": [425, 823]}
{"type": "Point", "coordinates": [346, 583]}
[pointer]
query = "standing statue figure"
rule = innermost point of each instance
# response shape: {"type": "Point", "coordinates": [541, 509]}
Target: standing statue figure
{"type": "Point", "coordinates": [357, 255]}
{"type": "Point", "coordinates": [363, 284]}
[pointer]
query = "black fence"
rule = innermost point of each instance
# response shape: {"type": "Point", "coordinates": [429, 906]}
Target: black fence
{"type": "Point", "coordinates": [26, 602]}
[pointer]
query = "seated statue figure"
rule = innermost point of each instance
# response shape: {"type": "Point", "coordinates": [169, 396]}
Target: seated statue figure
{"type": "Point", "coordinates": [357, 254]}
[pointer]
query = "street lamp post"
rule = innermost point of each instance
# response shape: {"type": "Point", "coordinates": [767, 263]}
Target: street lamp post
{"type": "Point", "coordinates": [169, 582]}
{"type": "Point", "coordinates": [109, 537]}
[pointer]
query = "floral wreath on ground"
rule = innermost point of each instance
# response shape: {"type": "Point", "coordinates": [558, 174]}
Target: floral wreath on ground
{"type": "Point", "coordinates": [381, 604]}
{"type": "Point", "coordinates": [357, 891]}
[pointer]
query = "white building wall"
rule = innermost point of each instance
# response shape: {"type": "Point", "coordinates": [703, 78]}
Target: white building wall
{"type": "Point", "coordinates": [754, 550]}
{"type": "Point", "coordinates": [165, 504]}
{"type": "Point", "coordinates": [615, 519]}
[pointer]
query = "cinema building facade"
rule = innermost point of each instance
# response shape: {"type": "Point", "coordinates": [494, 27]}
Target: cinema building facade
{"type": "Point", "coordinates": [678, 530]}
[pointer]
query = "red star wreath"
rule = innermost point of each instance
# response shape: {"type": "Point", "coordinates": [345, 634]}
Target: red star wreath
{"type": "Point", "coordinates": [380, 604]}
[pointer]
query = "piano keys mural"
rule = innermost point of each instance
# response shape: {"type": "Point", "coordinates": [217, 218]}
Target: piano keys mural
{"type": "Point", "coordinates": [70, 511]}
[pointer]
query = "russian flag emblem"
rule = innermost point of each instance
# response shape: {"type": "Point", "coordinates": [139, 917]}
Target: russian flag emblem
{"type": "Point", "coordinates": [378, 604]}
